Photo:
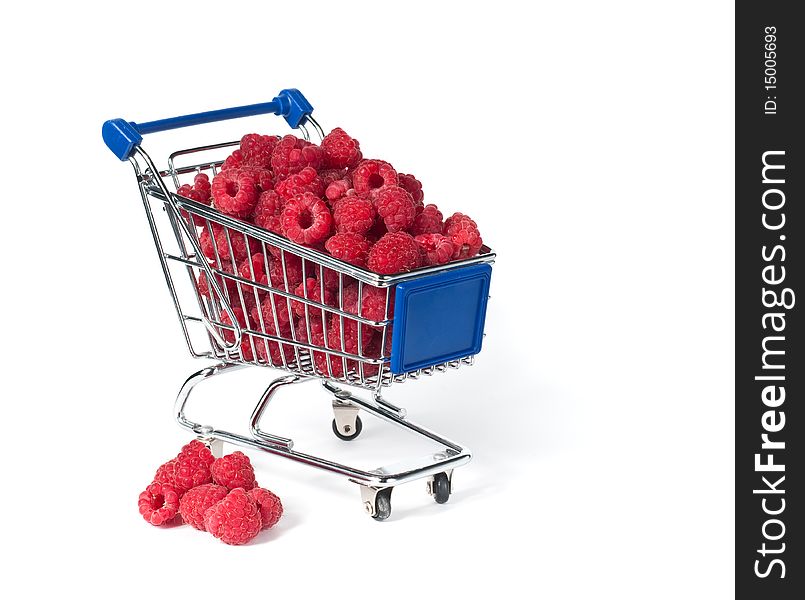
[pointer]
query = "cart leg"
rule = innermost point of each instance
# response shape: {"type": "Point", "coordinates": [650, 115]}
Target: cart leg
{"type": "Point", "coordinates": [257, 413]}
{"type": "Point", "coordinates": [347, 424]}
{"type": "Point", "coordinates": [440, 486]}
{"type": "Point", "coordinates": [376, 501]}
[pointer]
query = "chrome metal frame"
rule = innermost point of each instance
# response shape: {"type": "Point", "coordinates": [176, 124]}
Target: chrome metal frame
{"type": "Point", "coordinates": [235, 342]}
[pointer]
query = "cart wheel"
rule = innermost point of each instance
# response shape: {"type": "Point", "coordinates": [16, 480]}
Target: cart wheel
{"type": "Point", "coordinates": [352, 434]}
{"type": "Point", "coordinates": [440, 488]}
{"type": "Point", "coordinates": [382, 504]}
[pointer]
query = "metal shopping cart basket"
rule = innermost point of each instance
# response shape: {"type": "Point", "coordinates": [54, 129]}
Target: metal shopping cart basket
{"type": "Point", "coordinates": [433, 317]}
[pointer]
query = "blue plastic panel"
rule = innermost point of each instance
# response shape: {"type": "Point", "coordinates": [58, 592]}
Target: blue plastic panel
{"type": "Point", "coordinates": [438, 318]}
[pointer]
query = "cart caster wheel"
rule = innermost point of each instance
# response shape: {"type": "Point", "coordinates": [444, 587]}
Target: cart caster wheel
{"type": "Point", "coordinates": [382, 505]}
{"type": "Point", "coordinates": [352, 432]}
{"type": "Point", "coordinates": [439, 488]}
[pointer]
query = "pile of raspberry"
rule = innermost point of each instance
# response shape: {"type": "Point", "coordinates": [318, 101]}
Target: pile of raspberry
{"type": "Point", "coordinates": [329, 198]}
{"type": "Point", "coordinates": [219, 496]}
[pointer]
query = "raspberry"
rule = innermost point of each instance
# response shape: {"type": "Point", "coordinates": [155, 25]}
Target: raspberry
{"type": "Point", "coordinates": [372, 174]}
{"type": "Point", "coordinates": [195, 503]}
{"type": "Point", "coordinates": [233, 471]}
{"type": "Point", "coordinates": [463, 232]}
{"type": "Point", "coordinates": [373, 303]}
{"type": "Point", "coordinates": [269, 504]}
{"type": "Point", "coordinates": [377, 231]}
{"type": "Point", "coordinates": [340, 150]}
{"type": "Point", "coordinates": [311, 290]}
{"type": "Point", "coordinates": [263, 179]}
{"type": "Point", "coordinates": [254, 269]}
{"type": "Point", "coordinates": [349, 247]}
{"type": "Point", "coordinates": [306, 219]}
{"type": "Point", "coordinates": [291, 155]}
{"type": "Point", "coordinates": [164, 473]}
{"type": "Point", "coordinates": [158, 503]}
{"type": "Point", "coordinates": [427, 221]}
{"type": "Point", "coordinates": [234, 192]}
{"type": "Point", "coordinates": [354, 214]}
{"type": "Point", "coordinates": [226, 284]}
{"type": "Point", "coordinates": [229, 335]}
{"type": "Point", "coordinates": [293, 271]}
{"type": "Point", "coordinates": [199, 192]}
{"type": "Point", "coordinates": [305, 181]}
{"type": "Point", "coordinates": [267, 211]}
{"type": "Point", "coordinates": [394, 253]}
{"type": "Point", "coordinates": [337, 190]}
{"type": "Point", "coordinates": [267, 312]}
{"type": "Point", "coordinates": [201, 183]}
{"type": "Point", "coordinates": [257, 149]}
{"type": "Point", "coordinates": [413, 186]}
{"type": "Point", "coordinates": [396, 207]}
{"type": "Point", "coordinates": [192, 467]}
{"type": "Point", "coordinates": [373, 306]}
{"type": "Point", "coordinates": [330, 175]}
{"type": "Point", "coordinates": [233, 161]}
{"type": "Point", "coordinates": [438, 249]}
{"type": "Point", "coordinates": [235, 519]}
{"type": "Point", "coordinates": [331, 365]}
{"type": "Point", "coordinates": [273, 352]}
{"type": "Point", "coordinates": [238, 241]}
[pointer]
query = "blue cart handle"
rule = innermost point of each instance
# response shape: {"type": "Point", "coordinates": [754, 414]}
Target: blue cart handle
{"type": "Point", "coordinates": [122, 137]}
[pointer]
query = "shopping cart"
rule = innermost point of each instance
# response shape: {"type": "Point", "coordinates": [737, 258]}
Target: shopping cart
{"type": "Point", "coordinates": [433, 317]}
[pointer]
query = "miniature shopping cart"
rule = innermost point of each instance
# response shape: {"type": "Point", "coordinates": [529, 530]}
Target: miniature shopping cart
{"type": "Point", "coordinates": [433, 318]}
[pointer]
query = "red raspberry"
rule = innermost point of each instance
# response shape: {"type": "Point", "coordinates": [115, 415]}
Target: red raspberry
{"type": "Point", "coordinates": [234, 192]}
{"type": "Point", "coordinates": [314, 294]}
{"type": "Point", "coordinates": [229, 336]}
{"type": "Point", "coordinates": [195, 503]}
{"type": "Point", "coordinates": [240, 248]}
{"type": "Point", "coordinates": [337, 190]}
{"type": "Point", "coordinates": [291, 155]}
{"type": "Point", "coordinates": [226, 284]}
{"type": "Point", "coordinates": [413, 186]}
{"type": "Point", "coordinates": [395, 206]}
{"type": "Point", "coordinates": [305, 180]}
{"type": "Point", "coordinates": [263, 179]}
{"type": "Point", "coordinates": [257, 149]}
{"type": "Point", "coordinates": [349, 247]}
{"type": "Point", "coordinates": [268, 350]}
{"type": "Point", "coordinates": [235, 519]}
{"type": "Point", "coordinates": [233, 471]}
{"type": "Point", "coordinates": [377, 231]}
{"type": "Point", "coordinates": [316, 337]}
{"type": "Point", "coordinates": [438, 249]}
{"type": "Point", "coordinates": [427, 221]}
{"type": "Point", "coordinates": [354, 214]}
{"type": "Point", "coordinates": [254, 269]}
{"type": "Point", "coordinates": [269, 504]}
{"type": "Point", "coordinates": [164, 473]}
{"type": "Point", "coordinates": [373, 306]}
{"type": "Point", "coordinates": [340, 150]}
{"type": "Point", "coordinates": [330, 175]}
{"type": "Point", "coordinates": [394, 253]}
{"type": "Point", "coordinates": [306, 219]}
{"type": "Point", "coordinates": [293, 271]}
{"type": "Point", "coordinates": [268, 210]}
{"type": "Point", "coordinates": [233, 161]}
{"type": "Point", "coordinates": [201, 183]}
{"type": "Point", "coordinates": [372, 174]}
{"type": "Point", "coordinates": [159, 503]}
{"type": "Point", "coordinates": [463, 232]}
{"type": "Point", "coordinates": [332, 365]}
{"type": "Point", "coordinates": [267, 312]}
{"type": "Point", "coordinates": [192, 467]}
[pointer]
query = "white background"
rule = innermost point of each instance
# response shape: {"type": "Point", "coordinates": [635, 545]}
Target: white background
{"type": "Point", "coordinates": [593, 144]}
